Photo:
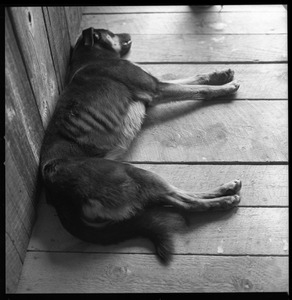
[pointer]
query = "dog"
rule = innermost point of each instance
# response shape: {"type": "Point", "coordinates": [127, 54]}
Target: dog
{"type": "Point", "coordinates": [98, 197]}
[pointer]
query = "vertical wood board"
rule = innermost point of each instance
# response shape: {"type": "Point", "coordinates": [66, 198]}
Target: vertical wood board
{"type": "Point", "coordinates": [19, 195]}
{"type": "Point", "coordinates": [34, 47]}
{"type": "Point", "coordinates": [23, 126]}
{"type": "Point", "coordinates": [13, 265]}
{"type": "Point", "coordinates": [73, 16]}
{"type": "Point", "coordinates": [59, 40]}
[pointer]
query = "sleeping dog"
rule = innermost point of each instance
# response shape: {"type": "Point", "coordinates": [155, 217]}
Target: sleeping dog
{"type": "Point", "coordinates": [99, 198]}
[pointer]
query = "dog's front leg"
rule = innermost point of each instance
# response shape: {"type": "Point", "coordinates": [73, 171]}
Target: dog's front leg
{"type": "Point", "coordinates": [168, 92]}
{"type": "Point", "coordinates": [214, 78]}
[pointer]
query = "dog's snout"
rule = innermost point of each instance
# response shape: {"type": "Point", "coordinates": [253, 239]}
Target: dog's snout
{"type": "Point", "coordinates": [125, 38]}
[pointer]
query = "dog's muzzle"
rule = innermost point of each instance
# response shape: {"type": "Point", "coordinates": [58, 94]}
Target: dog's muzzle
{"type": "Point", "coordinates": [126, 42]}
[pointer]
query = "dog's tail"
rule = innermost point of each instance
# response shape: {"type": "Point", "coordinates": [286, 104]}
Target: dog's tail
{"type": "Point", "coordinates": [156, 224]}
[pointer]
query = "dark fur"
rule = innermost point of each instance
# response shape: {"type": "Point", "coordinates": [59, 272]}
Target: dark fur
{"type": "Point", "coordinates": [98, 198]}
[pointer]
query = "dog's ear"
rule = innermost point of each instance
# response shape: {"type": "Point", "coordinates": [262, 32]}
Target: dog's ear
{"type": "Point", "coordinates": [88, 36]}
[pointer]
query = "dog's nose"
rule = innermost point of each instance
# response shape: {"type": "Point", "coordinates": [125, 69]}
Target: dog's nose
{"type": "Point", "coordinates": [127, 43]}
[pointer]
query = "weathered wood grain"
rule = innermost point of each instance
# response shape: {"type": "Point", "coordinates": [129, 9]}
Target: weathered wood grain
{"type": "Point", "coordinates": [221, 131]}
{"type": "Point", "coordinates": [33, 42]}
{"type": "Point", "coordinates": [228, 233]}
{"type": "Point", "coordinates": [106, 273]}
{"type": "Point", "coordinates": [73, 16]}
{"type": "Point", "coordinates": [13, 265]}
{"type": "Point", "coordinates": [208, 48]}
{"type": "Point", "coordinates": [259, 81]}
{"type": "Point", "coordinates": [15, 228]}
{"type": "Point", "coordinates": [19, 198]}
{"type": "Point", "coordinates": [23, 126]}
{"type": "Point", "coordinates": [59, 40]}
{"type": "Point", "coordinates": [192, 23]}
{"type": "Point", "coordinates": [181, 8]}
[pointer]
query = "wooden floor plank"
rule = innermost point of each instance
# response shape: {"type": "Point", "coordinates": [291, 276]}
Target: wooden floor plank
{"type": "Point", "coordinates": [215, 131]}
{"type": "Point", "coordinates": [182, 8]}
{"type": "Point", "coordinates": [191, 23]}
{"type": "Point", "coordinates": [228, 233]}
{"type": "Point", "coordinates": [45, 272]}
{"type": "Point", "coordinates": [208, 48]}
{"type": "Point", "coordinates": [259, 81]}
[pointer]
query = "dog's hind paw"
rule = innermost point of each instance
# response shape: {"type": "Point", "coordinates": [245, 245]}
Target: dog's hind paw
{"type": "Point", "coordinates": [232, 87]}
{"type": "Point", "coordinates": [229, 202]}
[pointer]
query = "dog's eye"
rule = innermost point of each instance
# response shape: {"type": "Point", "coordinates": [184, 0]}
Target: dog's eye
{"type": "Point", "coordinates": [97, 36]}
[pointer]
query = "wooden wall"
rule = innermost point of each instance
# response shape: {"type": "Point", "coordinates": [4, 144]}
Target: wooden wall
{"type": "Point", "coordinates": [37, 50]}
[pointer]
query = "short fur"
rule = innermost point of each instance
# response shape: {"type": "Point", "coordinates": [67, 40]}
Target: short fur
{"type": "Point", "coordinates": [98, 198]}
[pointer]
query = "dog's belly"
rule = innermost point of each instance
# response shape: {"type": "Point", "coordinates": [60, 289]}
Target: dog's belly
{"type": "Point", "coordinates": [130, 126]}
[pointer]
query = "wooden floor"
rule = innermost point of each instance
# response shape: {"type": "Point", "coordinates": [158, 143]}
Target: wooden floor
{"type": "Point", "coordinates": [195, 146]}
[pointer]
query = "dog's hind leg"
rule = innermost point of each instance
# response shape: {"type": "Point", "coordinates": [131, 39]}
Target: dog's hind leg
{"type": "Point", "coordinates": [105, 201]}
{"type": "Point", "coordinates": [224, 197]}
{"type": "Point", "coordinates": [158, 191]}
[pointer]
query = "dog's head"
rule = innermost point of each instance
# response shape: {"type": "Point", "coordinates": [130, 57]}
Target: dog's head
{"type": "Point", "coordinates": [102, 39]}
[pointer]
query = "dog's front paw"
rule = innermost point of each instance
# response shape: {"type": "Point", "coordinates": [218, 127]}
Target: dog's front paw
{"type": "Point", "coordinates": [221, 77]}
{"type": "Point", "coordinates": [231, 187]}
